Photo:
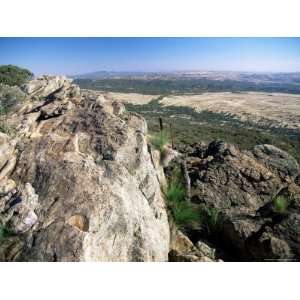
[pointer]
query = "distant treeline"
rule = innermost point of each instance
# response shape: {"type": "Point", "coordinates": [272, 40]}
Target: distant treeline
{"type": "Point", "coordinates": [179, 86]}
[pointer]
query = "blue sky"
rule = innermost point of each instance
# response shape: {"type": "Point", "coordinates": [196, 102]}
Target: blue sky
{"type": "Point", "coordinates": [82, 55]}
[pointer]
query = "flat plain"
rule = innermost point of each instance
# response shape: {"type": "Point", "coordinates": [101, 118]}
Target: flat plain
{"type": "Point", "coordinates": [275, 109]}
{"type": "Point", "coordinates": [281, 109]}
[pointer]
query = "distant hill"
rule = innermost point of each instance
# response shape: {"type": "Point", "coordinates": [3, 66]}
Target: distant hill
{"type": "Point", "coordinates": [109, 75]}
{"type": "Point", "coordinates": [279, 78]}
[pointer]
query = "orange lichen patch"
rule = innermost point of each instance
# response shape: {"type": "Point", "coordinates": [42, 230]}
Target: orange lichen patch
{"type": "Point", "coordinates": [79, 221]}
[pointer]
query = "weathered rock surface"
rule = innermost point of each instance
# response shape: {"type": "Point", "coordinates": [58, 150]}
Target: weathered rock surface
{"type": "Point", "coordinates": [83, 186]}
{"type": "Point", "coordinates": [242, 186]}
{"type": "Point", "coordinates": [58, 87]}
{"type": "Point", "coordinates": [183, 250]}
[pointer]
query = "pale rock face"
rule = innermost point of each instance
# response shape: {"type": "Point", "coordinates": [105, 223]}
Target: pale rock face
{"type": "Point", "coordinates": [6, 149]}
{"type": "Point", "coordinates": [86, 187]}
{"type": "Point", "coordinates": [58, 87]}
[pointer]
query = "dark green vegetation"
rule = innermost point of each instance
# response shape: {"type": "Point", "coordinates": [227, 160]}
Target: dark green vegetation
{"type": "Point", "coordinates": [184, 214]}
{"type": "Point", "coordinates": [190, 127]}
{"type": "Point", "coordinates": [4, 232]}
{"type": "Point", "coordinates": [13, 75]}
{"type": "Point", "coordinates": [181, 86]}
{"type": "Point", "coordinates": [10, 96]}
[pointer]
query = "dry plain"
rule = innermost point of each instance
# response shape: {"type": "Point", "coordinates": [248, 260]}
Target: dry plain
{"type": "Point", "coordinates": [281, 109]}
{"type": "Point", "coordinates": [278, 109]}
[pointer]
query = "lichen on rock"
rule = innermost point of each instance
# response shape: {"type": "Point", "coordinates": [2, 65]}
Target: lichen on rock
{"type": "Point", "coordinates": [84, 186]}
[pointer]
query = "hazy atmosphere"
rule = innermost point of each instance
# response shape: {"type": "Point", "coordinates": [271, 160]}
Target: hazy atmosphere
{"type": "Point", "coordinates": [82, 55]}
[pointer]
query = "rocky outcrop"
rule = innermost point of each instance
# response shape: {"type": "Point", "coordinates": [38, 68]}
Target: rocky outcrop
{"type": "Point", "coordinates": [182, 248]}
{"type": "Point", "coordinates": [80, 184]}
{"type": "Point", "coordinates": [243, 187]}
{"type": "Point", "coordinates": [46, 86]}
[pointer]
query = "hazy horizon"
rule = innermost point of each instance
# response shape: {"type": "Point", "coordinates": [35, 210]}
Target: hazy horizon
{"type": "Point", "coordinates": [73, 56]}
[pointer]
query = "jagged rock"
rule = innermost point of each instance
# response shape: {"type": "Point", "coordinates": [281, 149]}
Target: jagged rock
{"type": "Point", "coordinates": [101, 99]}
{"type": "Point", "coordinates": [54, 109]}
{"type": "Point", "coordinates": [118, 108]}
{"type": "Point", "coordinates": [168, 155]}
{"type": "Point", "coordinates": [7, 148]}
{"type": "Point", "coordinates": [23, 220]}
{"type": "Point", "coordinates": [18, 213]}
{"type": "Point", "coordinates": [241, 185]}
{"type": "Point", "coordinates": [278, 160]}
{"type": "Point", "coordinates": [183, 250]}
{"type": "Point", "coordinates": [206, 250]}
{"type": "Point", "coordinates": [8, 167]}
{"type": "Point", "coordinates": [99, 196]}
{"type": "Point", "coordinates": [6, 186]}
{"type": "Point", "coordinates": [45, 86]}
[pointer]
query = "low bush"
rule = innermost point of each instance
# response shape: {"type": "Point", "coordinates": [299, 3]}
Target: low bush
{"type": "Point", "coordinates": [10, 96]}
{"type": "Point", "coordinates": [13, 75]}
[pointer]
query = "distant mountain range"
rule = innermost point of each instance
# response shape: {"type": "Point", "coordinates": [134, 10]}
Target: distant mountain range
{"type": "Point", "coordinates": [291, 78]}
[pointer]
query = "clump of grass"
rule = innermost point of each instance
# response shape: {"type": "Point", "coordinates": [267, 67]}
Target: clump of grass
{"type": "Point", "coordinates": [280, 204]}
{"type": "Point", "coordinates": [210, 219]}
{"type": "Point", "coordinates": [159, 141]}
{"type": "Point", "coordinates": [4, 232]}
{"type": "Point", "coordinates": [183, 212]}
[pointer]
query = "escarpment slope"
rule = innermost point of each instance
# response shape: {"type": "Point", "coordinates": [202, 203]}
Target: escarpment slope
{"type": "Point", "coordinates": [77, 182]}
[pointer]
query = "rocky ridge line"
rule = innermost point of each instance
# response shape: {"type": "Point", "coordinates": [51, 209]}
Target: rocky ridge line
{"type": "Point", "coordinates": [77, 182]}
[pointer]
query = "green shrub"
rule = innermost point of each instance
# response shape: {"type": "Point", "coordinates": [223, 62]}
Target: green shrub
{"type": "Point", "coordinates": [280, 204]}
{"type": "Point", "coordinates": [183, 212]}
{"type": "Point", "coordinates": [4, 232]}
{"type": "Point", "coordinates": [10, 96]}
{"type": "Point", "coordinates": [13, 75]}
{"type": "Point", "coordinates": [159, 140]}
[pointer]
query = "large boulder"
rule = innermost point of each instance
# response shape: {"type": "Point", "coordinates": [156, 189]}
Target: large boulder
{"type": "Point", "coordinates": [183, 250]}
{"type": "Point", "coordinates": [85, 187]}
{"type": "Point", "coordinates": [243, 187]}
{"type": "Point", "coordinates": [51, 86]}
